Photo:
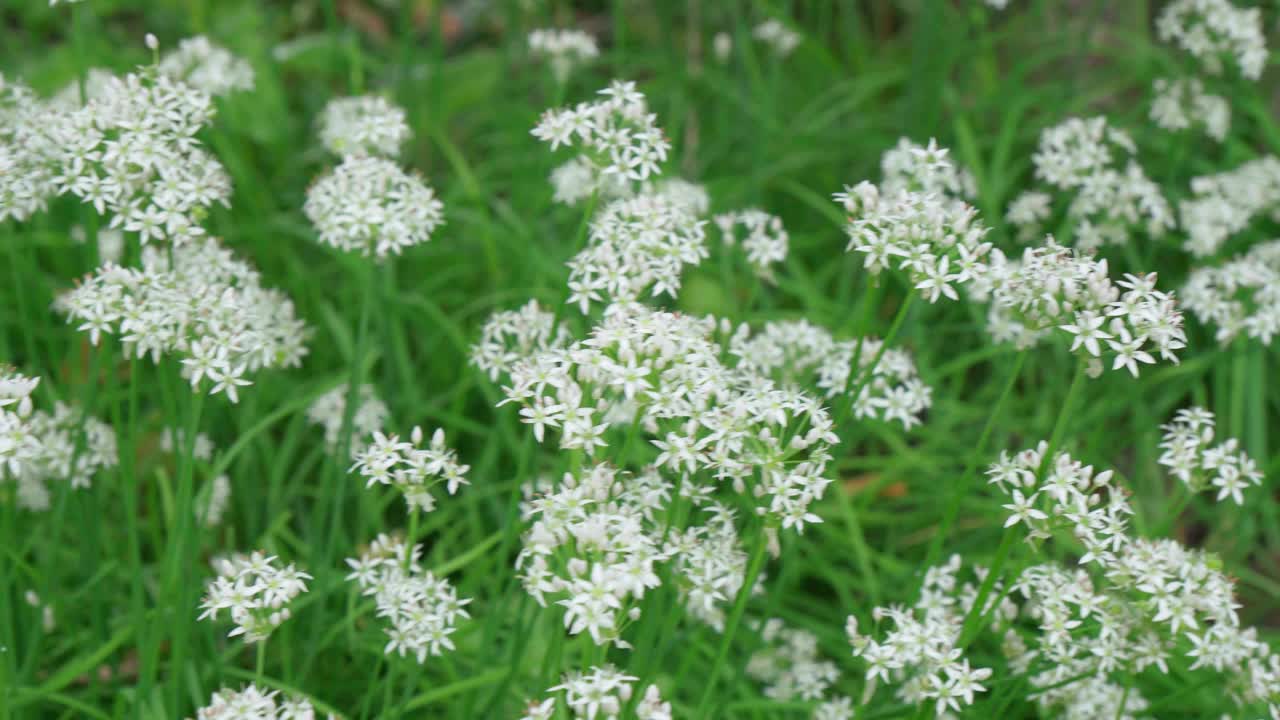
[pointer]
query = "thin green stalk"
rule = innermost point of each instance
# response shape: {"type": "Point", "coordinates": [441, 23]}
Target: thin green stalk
{"type": "Point", "coordinates": [969, 629]}
{"type": "Point", "coordinates": [735, 618]}
{"type": "Point", "coordinates": [180, 560]}
{"type": "Point", "coordinates": [961, 488]}
{"type": "Point", "coordinates": [864, 375]}
{"type": "Point", "coordinates": [338, 481]}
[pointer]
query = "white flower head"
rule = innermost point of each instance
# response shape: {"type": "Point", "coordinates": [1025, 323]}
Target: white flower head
{"type": "Point", "coordinates": [563, 49]}
{"type": "Point", "coordinates": [255, 590]}
{"type": "Point", "coordinates": [370, 206]}
{"type": "Point", "coordinates": [200, 63]}
{"type": "Point", "coordinates": [363, 125]}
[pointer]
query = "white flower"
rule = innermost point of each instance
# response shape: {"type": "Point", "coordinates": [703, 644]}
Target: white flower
{"type": "Point", "coordinates": [329, 412]}
{"type": "Point", "coordinates": [412, 469]}
{"type": "Point", "coordinates": [789, 665]}
{"type": "Point", "coordinates": [207, 67]}
{"type": "Point", "coordinates": [1181, 103]}
{"type": "Point", "coordinates": [600, 692]}
{"type": "Point", "coordinates": [198, 302]}
{"type": "Point", "coordinates": [131, 152]}
{"type": "Point", "coordinates": [793, 352]}
{"type": "Point", "coordinates": [1091, 162]}
{"type": "Point", "coordinates": [1210, 30]}
{"type": "Point", "coordinates": [635, 245]}
{"type": "Point", "coordinates": [764, 238]}
{"type": "Point", "coordinates": [618, 135]}
{"type": "Point", "coordinates": [423, 610]}
{"type": "Point", "coordinates": [780, 38]}
{"type": "Point", "coordinates": [1190, 458]}
{"type": "Point", "coordinates": [38, 448]}
{"type": "Point", "coordinates": [917, 218]}
{"type": "Point", "coordinates": [564, 49]}
{"type": "Point", "coordinates": [254, 703]}
{"type": "Point", "coordinates": [363, 125]}
{"type": "Point", "coordinates": [1222, 205]}
{"type": "Point", "coordinates": [1052, 287]}
{"type": "Point", "coordinates": [921, 651]}
{"type": "Point", "coordinates": [371, 206]}
{"type": "Point", "coordinates": [255, 591]}
{"type": "Point", "coordinates": [510, 336]}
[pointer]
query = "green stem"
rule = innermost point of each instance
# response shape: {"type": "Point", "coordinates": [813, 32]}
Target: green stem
{"type": "Point", "coordinates": [339, 481]}
{"type": "Point", "coordinates": [962, 487]}
{"type": "Point", "coordinates": [735, 618]}
{"type": "Point", "coordinates": [969, 629]}
{"type": "Point", "coordinates": [864, 375]}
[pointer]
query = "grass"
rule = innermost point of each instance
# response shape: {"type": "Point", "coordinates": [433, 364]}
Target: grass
{"type": "Point", "coordinates": [123, 568]}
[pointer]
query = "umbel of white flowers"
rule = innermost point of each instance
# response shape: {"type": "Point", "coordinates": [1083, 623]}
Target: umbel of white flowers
{"type": "Point", "coordinates": [255, 590]}
{"type": "Point", "coordinates": [1092, 163]}
{"type": "Point", "coordinates": [1242, 295]}
{"type": "Point", "coordinates": [369, 205]}
{"type": "Point", "coordinates": [254, 703]}
{"type": "Point", "coordinates": [423, 610]}
{"type": "Point", "coordinates": [18, 444]}
{"type": "Point", "coordinates": [363, 125]}
{"type": "Point", "coordinates": [198, 302]}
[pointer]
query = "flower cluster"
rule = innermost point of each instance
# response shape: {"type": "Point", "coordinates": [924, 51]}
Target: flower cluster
{"type": "Point", "coordinates": [329, 411]}
{"type": "Point", "coordinates": [369, 205]}
{"type": "Point", "coordinates": [603, 522]}
{"type": "Point", "coordinates": [1056, 288]}
{"type": "Point", "coordinates": [1077, 631]}
{"type": "Point", "coordinates": [72, 447]}
{"type": "Point", "coordinates": [636, 244]}
{"type": "Point", "coordinates": [255, 591]}
{"type": "Point", "coordinates": [789, 666]}
{"type": "Point", "coordinates": [579, 179]}
{"type": "Point", "coordinates": [1112, 195]}
{"type": "Point", "coordinates": [563, 49]}
{"type": "Point", "coordinates": [509, 336]}
{"type": "Point", "coordinates": [172, 442]}
{"type": "Point", "coordinates": [131, 151]}
{"type": "Point", "coordinates": [936, 239]}
{"type": "Point", "coordinates": [600, 692]}
{"type": "Point", "coordinates": [211, 504]}
{"type": "Point", "coordinates": [26, 176]}
{"type": "Point", "coordinates": [254, 703]}
{"type": "Point", "coordinates": [363, 125]}
{"type": "Point", "coordinates": [794, 352]}
{"type": "Point", "coordinates": [1063, 494]}
{"type": "Point", "coordinates": [1189, 457]}
{"type": "Point", "coordinates": [709, 562]}
{"type": "Point", "coordinates": [921, 652]}
{"type": "Point", "coordinates": [1211, 30]}
{"type": "Point", "coordinates": [207, 67]}
{"type": "Point", "coordinates": [411, 469]}
{"type": "Point", "coordinates": [618, 135]}
{"type": "Point", "coordinates": [1182, 103]}
{"type": "Point", "coordinates": [763, 237]}
{"type": "Point", "coordinates": [912, 167]}
{"type": "Point", "coordinates": [1131, 604]}
{"type": "Point", "coordinates": [1222, 205]}
{"type": "Point", "coordinates": [661, 371]}
{"type": "Point", "coordinates": [781, 39]}
{"type": "Point", "coordinates": [199, 302]}
{"type": "Point", "coordinates": [18, 444]}
{"type": "Point", "coordinates": [1240, 295]}
{"type": "Point", "coordinates": [423, 610]}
